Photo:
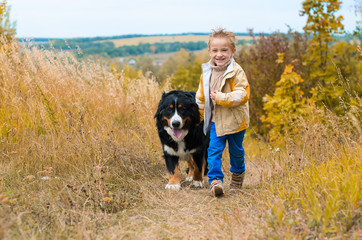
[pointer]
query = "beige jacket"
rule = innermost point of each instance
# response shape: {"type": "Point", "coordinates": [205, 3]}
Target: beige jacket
{"type": "Point", "coordinates": [232, 106]}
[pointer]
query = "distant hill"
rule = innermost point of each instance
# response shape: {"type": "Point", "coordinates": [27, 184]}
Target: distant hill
{"type": "Point", "coordinates": [138, 44]}
{"type": "Point", "coordinates": [132, 45]}
{"type": "Point", "coordinates": [126, 36]}
{"type": "Point", "coordinates": [167, 38]}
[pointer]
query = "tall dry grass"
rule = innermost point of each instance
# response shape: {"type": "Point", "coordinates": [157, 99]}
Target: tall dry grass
{"type": "Point", "coordinates": [56, 98]}
{"type": "Point", "coordinates": [74, 137]}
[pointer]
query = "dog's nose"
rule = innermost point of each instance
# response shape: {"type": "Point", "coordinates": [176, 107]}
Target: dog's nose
{"type": "Point", "coordinates": [176, 124]}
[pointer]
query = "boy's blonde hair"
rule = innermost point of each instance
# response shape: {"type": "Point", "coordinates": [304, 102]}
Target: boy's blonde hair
{"type": "Point", "coordinates": [221, 33]}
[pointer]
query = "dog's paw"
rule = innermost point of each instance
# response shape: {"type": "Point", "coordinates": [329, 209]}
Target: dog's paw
{"type": "Point", "coordinates": [175, 187]}
{"type": "Point", "coordinates": [189, 179]}
{"type": "Point", "coordinates": [197, 184]}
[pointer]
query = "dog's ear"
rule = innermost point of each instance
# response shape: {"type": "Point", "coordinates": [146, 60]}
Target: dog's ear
{"type": "Point", "coordinates": [191, 93]}
{"type": "Point", "coordinates": [194, 107]}
{"type": "Point", "coordinates": [163, 95]}
{"type": "Point", "coordinates": [156, 114]}
{"type": "Point", "coordinates": [196, 113]}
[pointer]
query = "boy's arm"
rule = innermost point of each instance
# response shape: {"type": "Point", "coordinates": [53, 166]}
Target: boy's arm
{"type": "Point", "coordinates": [200, 99]}
{"type": "Point", "coordinates": [240, 92]}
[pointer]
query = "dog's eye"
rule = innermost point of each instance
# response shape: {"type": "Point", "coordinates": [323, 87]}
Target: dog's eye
{"type": "Point", "coordinates": [181, 107]}
{"type": "Point", "coordinates": [171, 106]}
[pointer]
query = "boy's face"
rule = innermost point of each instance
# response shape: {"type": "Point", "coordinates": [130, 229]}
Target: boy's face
{"type": "Point", "coordinates": [220, 50]}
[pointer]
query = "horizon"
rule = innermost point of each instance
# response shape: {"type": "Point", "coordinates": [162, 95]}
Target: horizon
{"type": "Point", "coordinates": [135, 35]}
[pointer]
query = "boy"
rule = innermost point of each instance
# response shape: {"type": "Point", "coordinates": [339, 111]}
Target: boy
{"type": "Point", "coordinates": [222, 98]}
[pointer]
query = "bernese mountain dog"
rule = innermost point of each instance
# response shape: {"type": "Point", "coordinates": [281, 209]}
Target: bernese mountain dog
{"type": "Point", "coordinates": [182, 137]}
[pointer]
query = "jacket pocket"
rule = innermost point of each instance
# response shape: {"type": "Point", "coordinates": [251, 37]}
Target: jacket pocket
{"type": "Point", "coordinates": [238, 114]}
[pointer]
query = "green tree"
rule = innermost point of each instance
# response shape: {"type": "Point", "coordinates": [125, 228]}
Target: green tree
{"type": "Point", "coordinates": [7, 28]}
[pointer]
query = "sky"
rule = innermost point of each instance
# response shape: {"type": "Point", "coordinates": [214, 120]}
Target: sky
{"type": "Point", "coordinates": [91, 18]}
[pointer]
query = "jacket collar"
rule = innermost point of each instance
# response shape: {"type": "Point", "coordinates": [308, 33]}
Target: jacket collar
{"type": "Point", "coordinates": [230, 67]}
{"type": "Point", "coordinates": [206, 67]}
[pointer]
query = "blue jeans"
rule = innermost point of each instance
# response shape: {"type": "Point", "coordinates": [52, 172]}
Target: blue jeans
{"type": "Point", "coordinates": [216, 148]}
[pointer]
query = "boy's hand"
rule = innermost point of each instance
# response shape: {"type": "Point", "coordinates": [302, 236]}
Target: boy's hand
{"type": "Point", "coordinates": [213, 95]}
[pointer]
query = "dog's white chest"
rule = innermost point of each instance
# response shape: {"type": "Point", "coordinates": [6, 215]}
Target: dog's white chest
{"type": "Point", "coordinates": [181, 150]}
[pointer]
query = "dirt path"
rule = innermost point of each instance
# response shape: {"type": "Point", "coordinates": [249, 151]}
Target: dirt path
{"type": "Point", "coordinates": [194, 213]}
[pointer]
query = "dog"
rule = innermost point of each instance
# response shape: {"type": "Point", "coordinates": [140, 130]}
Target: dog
{"type": "Point", "coordinates": [182, 137]}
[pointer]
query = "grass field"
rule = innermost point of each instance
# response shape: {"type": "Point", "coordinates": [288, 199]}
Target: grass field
{"type": "Point", "coordinates": [161, 39]}
{"type": "Point", "coordinates": [80, 159]}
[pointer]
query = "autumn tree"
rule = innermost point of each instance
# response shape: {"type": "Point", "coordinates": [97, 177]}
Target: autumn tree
{"type": "Point", "coordinates": [7, 28]}
{"type": "Point", "coordinates": [146, 64]}
{"type": "Point", "coordinates": [172, 64]}
{"type": "Point", "coordinates": [331, 72]}
{"type": "Point", "coordinates": [285, 106]}
{"type": "Point", "coordinates": [187, 77]}
{"type": "Point", "coordinates": [322, 25]}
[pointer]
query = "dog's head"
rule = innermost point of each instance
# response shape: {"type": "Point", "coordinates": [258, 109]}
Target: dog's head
{"type": "Point", "coordinates": [177, 112]}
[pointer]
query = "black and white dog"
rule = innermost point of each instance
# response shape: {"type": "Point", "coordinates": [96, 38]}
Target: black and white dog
{"type": "Point", "coordinates": [182, 138]}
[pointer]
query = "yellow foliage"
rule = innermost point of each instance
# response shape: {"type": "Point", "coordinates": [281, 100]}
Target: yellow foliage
{"type": "Point", "coordinates": [288, 70]}
{"type": "Point", "coordinates": [285, 106]}
{"type": "Point", "coordinates": [280, 58]}
{"type": "Point", "coordinates": [188, 72]}
{"type": "Point", "coordinates": [2, 7]}
{"type": "Point", "coordinates": [7, 29]}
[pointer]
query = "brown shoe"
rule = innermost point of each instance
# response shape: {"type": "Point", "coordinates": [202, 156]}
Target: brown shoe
{"type": "Point", "coordinates": [237, 181]}
{"type": "Point", "coordinates": [216, 188]}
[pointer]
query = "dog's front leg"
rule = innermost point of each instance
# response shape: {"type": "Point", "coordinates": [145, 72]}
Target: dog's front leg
{"type": "Point", "coordinates": [174, 182]}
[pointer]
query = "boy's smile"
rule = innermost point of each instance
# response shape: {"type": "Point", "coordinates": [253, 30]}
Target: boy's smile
{"type": "Point", "coordinates": [220, 51]}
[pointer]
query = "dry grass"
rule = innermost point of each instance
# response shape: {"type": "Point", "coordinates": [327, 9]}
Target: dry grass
{"type": "Point", "coordinates": [163, 39]}
{"type": "Point", "coordinates": [80, 159]}
{"type": "Point", "coordinates": [315, 191]}
{"type": "Point", "coordinates": [332, 207]}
